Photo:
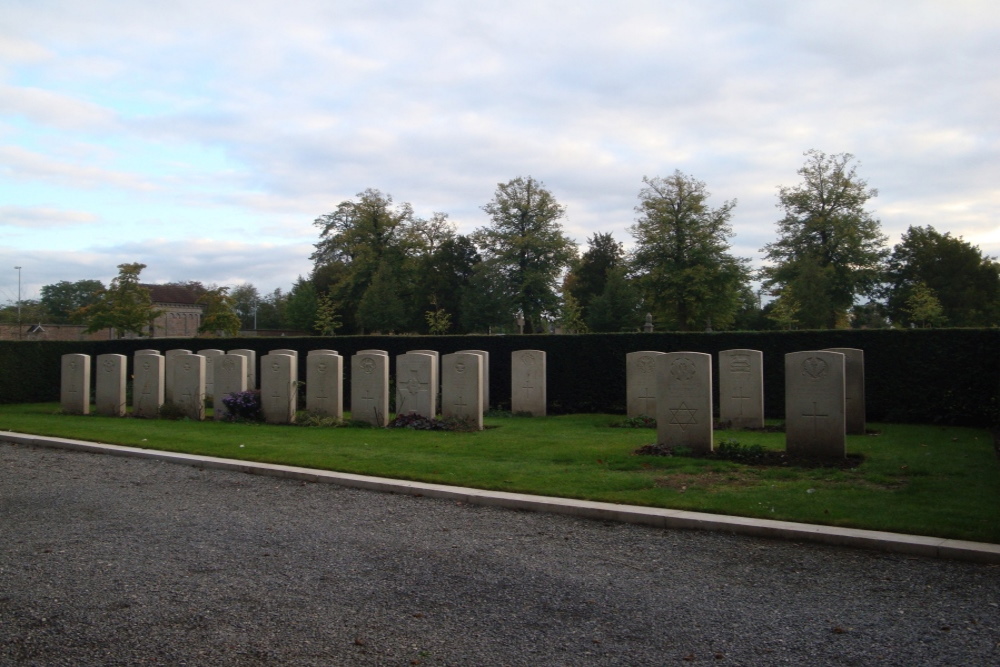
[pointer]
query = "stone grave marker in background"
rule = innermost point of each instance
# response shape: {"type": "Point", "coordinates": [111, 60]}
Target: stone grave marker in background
{"type": "Point", "coordinates": [312, 352]}
{"type": "Point", "coordinates": [141, 352]}
{"type": "Point", "coordinates": [741, 388]}
{"type": "Point", "coordinates": [168, 381]}
{"type": "Point", "coordinates": [147, 385]}
{"type": "Point", "coordinates": [814, 404]}
{"type": "Point", "coordinates": [109, 391]}
{"type": "Point", "coordinates": [370, 387]}
{"type": "Point", "coordinates": [684, 400]}
{"type": "Point", "coordinates": [189, 384]}
{"type": "Point", "coordinates": [278, 388]}
{"type": "Point", "coordinates": [527, 382]}
{"type": "Point", "coordinates": [854, 389]}
{"type": "Point", "coordinates": [251, 356]}
{"type": "Point", "coordinates": [291, 353]}
{"type": "Point", "coordinates": [640, 383]}
{"type": "Point", "coordinates": [462, 387]}
{"type": "Point", "coordinates": [74, 385]}
{"type": "Point", "coordinates": [210, 358]}
{"type": "Point", "coordinates": [382, 352]}
{"type": "Point", "coordinates": [416, 384]}
{"type": "Point", "coordinates": [486, 375]}
{"type": "Point", "coordinates": [324, 384]}
{"type": "Point", "coordinates": [230, 378]}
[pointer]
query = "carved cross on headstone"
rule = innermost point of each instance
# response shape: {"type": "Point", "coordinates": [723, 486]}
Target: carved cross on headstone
{"type": "Point", "coordinates": [815, 416]}
{"type": "Point", "coordinates": [738, 396]}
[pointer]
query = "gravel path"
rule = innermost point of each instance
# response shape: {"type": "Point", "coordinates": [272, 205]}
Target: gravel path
{"type": "Point", "coordinates": [115, 561]}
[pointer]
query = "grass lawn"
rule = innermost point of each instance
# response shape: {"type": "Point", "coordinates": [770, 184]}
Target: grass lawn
{"type": "Point", "coordinates": [925, 480]}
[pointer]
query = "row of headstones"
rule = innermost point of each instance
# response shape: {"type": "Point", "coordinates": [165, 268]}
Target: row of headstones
{"type": "Point", "coordinates": [184, 379]}
{"type": "Point", "coordinates": [824, 396]}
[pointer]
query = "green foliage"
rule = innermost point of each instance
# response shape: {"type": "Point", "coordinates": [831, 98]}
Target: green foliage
{"type": "Point", "coordinates": [965, 283]}
{"type": "Point", "coordinates": [830, 249]}
{"type": "Point", "coordinates": [681, 258]}
{"type": "Point", "coordinates": [618, 307]}
{"type": "Point", "coordinates": [302, 305]}
{"type": "Point", "coordinates": [125, 305]}
{"type": "Point", "coordinates": [734, 450]}
{"type": "Point", "coordinates": [438, 321]}
{"type": "Point", "coordinates": [588, 278]}
{"type": "Point", "coordinates": [526, 247]}
{"type": "Point", "coordinates": [63, 299]}
{"type": "Point", "coordinates": [640, 421]}
{"type": "Point", "coordinates": [327, 316]}
{"type": "Point", "coordinates": [571, 315]}
{"type": "Point", "coordinates": [381, 308]}
{"type": "Point", "coordinates": [220, 313]}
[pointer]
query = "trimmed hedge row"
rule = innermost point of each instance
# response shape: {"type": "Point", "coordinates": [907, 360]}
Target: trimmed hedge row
{"type": "Point", "coordinates": [918, 376]}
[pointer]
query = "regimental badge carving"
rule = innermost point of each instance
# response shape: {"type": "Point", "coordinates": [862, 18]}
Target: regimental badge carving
{"type": "Point", "coordinates": [646, 365]}
{"type": "Point", "coordinates": [275, 366]}
{"type": "Point", "coordinates": [682, 369]}
{"type": "Point", "coordinates": [72, 365]}
{"type": "Point", "coordinates": [413, 386]}
{"type": "Point", "coordinates": [146, 365]}
{"type": "Point", "coordinates": [368, 365]}
{"type": "Point", "coordinates": [739, 363]}
{"type": "Point", "coordinates": [460, 367]}
{"type": "Point", "coordinates": [321, 367]}
{"type": "Point", "coordinates": [815, 368]}
{"type": "Point", "coordinates": [108, 365]}
{"type": "Point", "coordinates": [187, 366]}
{"type": "Point", "coordinates": [229, 364]}
{"type": "Point", "coordinates": [528, 359]}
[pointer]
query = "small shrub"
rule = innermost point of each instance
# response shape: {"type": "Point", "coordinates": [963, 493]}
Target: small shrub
{"type": "Point", "coordinates": [317, 419]}
{"type": "Point", "coordinates": [640, 421]}
{"type": "Point", "coordinates": [243, 406]}
{"type": "Point", "coordinates": [733, 450]}
{"type": "Point", "coordinates": [172, 411]}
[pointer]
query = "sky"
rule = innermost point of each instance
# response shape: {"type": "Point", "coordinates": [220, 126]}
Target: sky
{"type": "Point", "coordinates": [203, 139]}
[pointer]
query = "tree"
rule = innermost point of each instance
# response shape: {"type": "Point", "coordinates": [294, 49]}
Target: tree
{"type": "Point", "coordinates": [618, 307]}
{"type": "Point", "coordinates": [587, 279]}
{"type": "Point", "coordinates": [526, 247]}
{"type": "Point", "coordinates": [682, 259]}
{"type": "Point", "coordinates": [965, 283]}
{"type": "Point", "coordinates": [220, 313]}
{"type": "Point", "coordinates": [124, 306]}
{"type": "Point", "coordinates": [245, 299]}
{"type": "Point", "coordinates": [571, 315]}
{"type": "Point", "coordinates": [443, 276]}
{"type": "Point", "coordinates": [381, 309]}
{"type": "Point", "coordinates": [327, 316]}
{"type": "Point", "coordinates": [64, 298]}
{"type": "Point", "coordinates": [302, 305]}
{"type": "Point", "coordinates": [923, 306]}
{"type": "Point", "coordinates": [826, 231]}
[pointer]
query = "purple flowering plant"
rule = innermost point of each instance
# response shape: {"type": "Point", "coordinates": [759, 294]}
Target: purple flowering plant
{"type": "Point", "coordinates": [243, 406]}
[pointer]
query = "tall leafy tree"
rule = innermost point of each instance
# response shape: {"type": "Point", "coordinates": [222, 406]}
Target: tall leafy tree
{"type": "Point", "coordinates": [588, 277]}
{"type": "Point", "coordinates": [681, 257]}
{"type": "Point", "coordinates": [64, 298]}
{"type": "Point", "coordinates": [220, 312]}
{"type": "Point", "coordinates": [125, 305]}
{"type": "Point", "coordinates": [443, 277]}
{"type": "Point", "coordinates": [618, 307]}
{"type": "Point", "coordinates": [827, 233]}
{"type": "Point", "coordinates": [526, 247]}
{"type": "Point", "coordinates": [302, 305]}
{"type": "Point", "coordinates": [246, 299]}
{"type": "Point", "coordinates": [965, 282]}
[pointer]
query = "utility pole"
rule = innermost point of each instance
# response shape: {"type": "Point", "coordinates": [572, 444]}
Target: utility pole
{"type": "Point", "coordinates": [19, 334]}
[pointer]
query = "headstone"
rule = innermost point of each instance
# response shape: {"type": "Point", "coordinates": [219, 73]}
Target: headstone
{"type": "Point", "coordinates": [251, 356]}
{"type": "Point", "coordinates": [312, 352]}
{"type": "Point", "coordinates": [74, 387]}
{"type": "Point", "coordinates": [486, 375]}
{"type": "Point", "coordinates": [462, 387]}
{"type": "Point", "coordinates": [211, 356]}
{"type": "Point", "coordinates": [527, 382]}
{"type": "Point", "coordinates": [854, 389]}
{"type": "Point", "coordinates": [382, 352]}
{"type": "Point", "coordinates": [640, 383]}
{"type": "Point", "coordinates": [370, 388]}
{"type": "Point", "coordinates": [230, 378]}
{"type": "Point", "coordinates": [416, 384]}
{"type": "Point", "coordinates": [147, 385]}
{"type": "Point", "coordinates": [109, 392]}
{"type": "Point", "coordinates": [168, 383]}
{"type": "Point", "coordinates": [684, 401]}
{"type": "Point", "coordinates": [189, 384]}
{"type": "Point", "coordinates": [324, 384]}
{"type": "Point", "coordinates": [814, 404]}
{"type": "Point", "coordinates": [741, 388]}
{"type": "Point", "coordinates": [291, 353]}
{"type": "Point", "coordinates": [141, 352]}
{"type": "Point", "coordinates": [278, 388]}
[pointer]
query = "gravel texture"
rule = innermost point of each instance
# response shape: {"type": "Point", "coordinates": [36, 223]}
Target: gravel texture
{"type": "Point", "coordinates": [114, 561]}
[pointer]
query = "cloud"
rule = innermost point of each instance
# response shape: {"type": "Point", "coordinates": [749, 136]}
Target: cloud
{"type": "Point", "coordinates": [32, 217]}
{"type": "Point", "coordinates": [21, 164]}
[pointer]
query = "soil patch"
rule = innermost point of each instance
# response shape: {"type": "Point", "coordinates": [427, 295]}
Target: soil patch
{"type": "Point", "coordinates": [769, 459]}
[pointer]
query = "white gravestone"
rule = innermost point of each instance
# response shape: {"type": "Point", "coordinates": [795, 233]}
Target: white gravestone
{"type": "Point", "coordinates": [462, 387]}
{"type": "Point", "coordinates": [147, 385]}
{"type": "Point", "coordinates": [168, 383]}
{"type": "Point", "coordinates": [370, 388]}
{"type": "Point", "coordinates": [251, 356]}
{"type": "Point", "coordinates": [640, 383]}
{"type": "Point", "coordinates": [854, 389]}
{"type": "Point", "coordinates": [814, 404]}
{"type": "Point", "coordinates": [486, 375]}
{"type": "Point", "coordinates": [324, 384]}
{"type": "Point", "coordinates": [189, 384]}
{"type": "Point", "coordinates": [279, 388]}
{"type": "Point", "coordinates": [382, 352]}
{"type": "Point", "coordinates": [141, 352]}
{"type": "Point", "coordinates": [312, 352]}
{"type": "Point", "coordinates": [291, 353]}
{"type": "Point", "coordinates": [741, 388]}
{"type": "Point", "coordinates": [527, 382]}
{"type": "Point", "coordinates": [416, 384]}
{"type": "Point", "coordinates": [74, 389]}
{"type": "Point", "coordinates": [684, 401]}
{"type": "Point", "coordinates": [109, 390]}
{"type": "Point", "coordinates": [211, 356]}
{"type": "Point", "coordinates": [230, 378]}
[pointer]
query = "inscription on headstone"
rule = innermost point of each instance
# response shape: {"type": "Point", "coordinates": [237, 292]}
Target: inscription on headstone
{"type": "Point", "coordinates": [324, 384]}
{"type": "Point", "coordinates": [684, 400]}
{"type": "Point", "coordinates": [486, 375]}
{"type": "Point", "coordinates": [416, 384]}
{"type": "Point", "coordinates": [189, 384]}
{"type": "Point", "coordinates": [147, 385]}
{"type": "Point", "coordinates": [109, 393]}
{"type": "Point", "coordinates": [210, 358]}
{"type": "Point", "coordinates": [74, 388]}
{"type": "Point", "coordinates": [741, 388]}
{"type": "Point", "coordinates": [370, 387]}
{"type": "Point", "coordinates": [278, 388]}
{"type": "Point", "coordinates": [640, 383]}
{"type": "Point", "coordinates": [230, 378]}
{"type": "Point", "coordinates": [462, 387]}
{"type": "Point", "coordinates": [814, 404]}
{"type": "Point", "coordinates": [527, 382]}
{"type": "Point", "coordinates": [168, 382]}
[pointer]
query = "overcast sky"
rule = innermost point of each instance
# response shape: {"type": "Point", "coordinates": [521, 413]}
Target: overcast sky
{"type": "Point", "coordinates": [203, 138]}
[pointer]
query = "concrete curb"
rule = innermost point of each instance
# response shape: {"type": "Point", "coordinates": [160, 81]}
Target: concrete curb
{"type": "Point", "coordinates": [916, 545]}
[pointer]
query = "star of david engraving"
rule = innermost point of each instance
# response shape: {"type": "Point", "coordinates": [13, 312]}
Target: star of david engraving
{"type": "Point", "coordinates": [683, 416]}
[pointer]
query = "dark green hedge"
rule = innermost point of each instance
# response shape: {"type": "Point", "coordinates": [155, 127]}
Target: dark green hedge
{"type": "Point", "coordinates": [920, 376]}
